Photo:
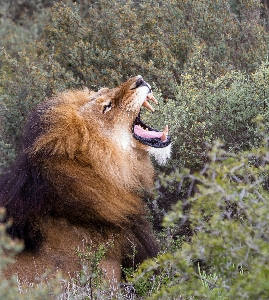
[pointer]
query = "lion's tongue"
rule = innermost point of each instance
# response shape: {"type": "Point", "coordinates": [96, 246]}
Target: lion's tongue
{"type": "Point", "coordinates": [138, 130]}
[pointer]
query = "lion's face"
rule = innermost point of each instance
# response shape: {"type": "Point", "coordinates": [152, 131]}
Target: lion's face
{"type": "Point", "coordinates": [117, 113]}
{"type": "Point", "coordinates": [101, 132]}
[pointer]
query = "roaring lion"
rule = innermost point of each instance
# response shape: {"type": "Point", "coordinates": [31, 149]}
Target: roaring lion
{"type": "Point", "coordinates": [79, 177]}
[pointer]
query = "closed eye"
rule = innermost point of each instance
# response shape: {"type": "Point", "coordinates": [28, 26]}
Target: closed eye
{"type": "Point", "coordinates": [107, 107]}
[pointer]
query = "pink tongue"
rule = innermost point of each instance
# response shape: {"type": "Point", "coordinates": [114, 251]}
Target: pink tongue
{"type": "Point", "coordinates": [138, 130]}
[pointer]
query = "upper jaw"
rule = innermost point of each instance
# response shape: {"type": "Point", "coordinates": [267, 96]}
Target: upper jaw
{"type": "Point", "coordinates": [146, 93]}
{"type": "Point", "coordinates": [146, 103]}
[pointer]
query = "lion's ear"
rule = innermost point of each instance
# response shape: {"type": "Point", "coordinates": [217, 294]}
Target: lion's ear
{"type": "Point", "coordinates": [67, 133]}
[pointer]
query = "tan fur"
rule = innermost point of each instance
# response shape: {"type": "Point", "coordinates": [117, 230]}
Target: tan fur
{"type": "Point", "coordinates": [95, 172]}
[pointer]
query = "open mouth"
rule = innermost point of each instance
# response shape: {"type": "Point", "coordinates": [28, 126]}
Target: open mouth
{"type": "Point", "coordinates": [142, 132]}
{"type": "Point", "coordinates": [149, 136]}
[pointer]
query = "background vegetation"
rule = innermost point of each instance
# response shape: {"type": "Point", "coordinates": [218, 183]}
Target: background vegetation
{"type": "Point", "coordinates": [208, 63]}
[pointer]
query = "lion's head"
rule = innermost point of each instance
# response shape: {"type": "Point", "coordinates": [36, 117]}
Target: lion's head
{"type": "Point", "coordinates": [103, 129]}
{"type": "Point", "coordinates": [117, 112]}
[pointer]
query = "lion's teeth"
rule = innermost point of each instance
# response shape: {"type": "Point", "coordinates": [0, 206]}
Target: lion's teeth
{"type": "Point", "coordinates": [163, 137]}
{"type": "Point", "coordinates": [166, 129]}
{"type": "Point", "coordinates": [147, 105]}
{"type": "Point", "coordinates": [152, 98]}
{"type": "Point", "coordinates": [165, 133]}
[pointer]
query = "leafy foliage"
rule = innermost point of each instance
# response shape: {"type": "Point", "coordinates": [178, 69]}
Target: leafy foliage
{"type": "Point", "coordinates": [91, 282]}
{"type": "Point", "coordinates": [205, 111]}
{"type": "Point", "coordinates": [228, 214]}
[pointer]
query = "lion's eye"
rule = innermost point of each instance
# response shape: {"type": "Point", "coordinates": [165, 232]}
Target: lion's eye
{"type": "Point", "coordinates": [107, 107]}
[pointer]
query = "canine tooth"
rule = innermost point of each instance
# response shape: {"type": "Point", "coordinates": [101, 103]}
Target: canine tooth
{"type": "Point", "coordinates": [166, 129]}
{"type": "Point", "coordinates": [163, 137]}
{"type": "Point", "coordinates": [148, 106]}
{"type": "Point", "coordinates": [152, 98]}
{"type": "Point", "coordinates": [165, 133]}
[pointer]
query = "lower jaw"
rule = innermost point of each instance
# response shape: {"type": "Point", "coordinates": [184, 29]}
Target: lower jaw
{"type": "Point", "coordinates": [152, 142]}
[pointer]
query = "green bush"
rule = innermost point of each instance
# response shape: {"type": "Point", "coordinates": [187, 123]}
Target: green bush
{"type": "Point", "coordinates": [21, 23]}
{"type": "Point", "coordinates": [205, 111]}
{"type": "Point", "coordinates": [27, 83]}
{"type": "Point", "coordinates": [227, 257]}
{"type": "Point", "coordinates": [117, 40]}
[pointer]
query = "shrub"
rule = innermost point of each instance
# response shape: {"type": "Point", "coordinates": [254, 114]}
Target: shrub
{"type": "Point", "coordinates": [205, 111]}
{"type": "Point", "coordinates": [117, 40]}
{"type": "Point", "coordinates": [227, 257]}
{"type": "Point", "coordinates": [154, 39]}
{"type": "Point", "coordinates": [27, 83]}
{"type": "Point", "coordinates": [22, 22]}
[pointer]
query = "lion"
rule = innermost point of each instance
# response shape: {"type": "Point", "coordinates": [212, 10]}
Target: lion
{"type": "Point", "coordinates": [79, 179]}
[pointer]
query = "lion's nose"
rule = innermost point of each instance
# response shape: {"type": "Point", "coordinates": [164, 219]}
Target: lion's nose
{"type": "Point", "coordinates": [141, 82]}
